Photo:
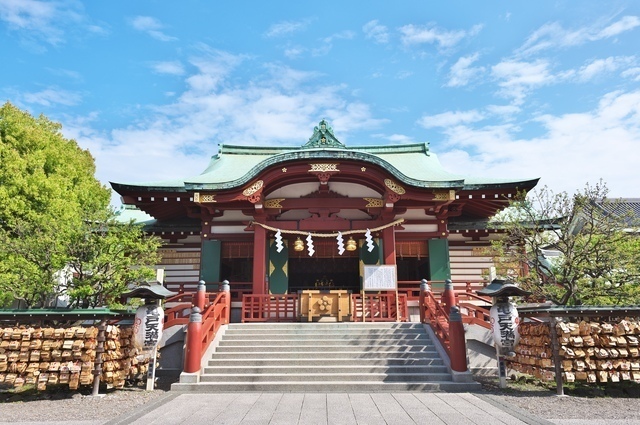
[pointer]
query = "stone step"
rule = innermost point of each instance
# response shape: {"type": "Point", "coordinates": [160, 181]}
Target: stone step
{"type": "Point", "coordinates": [325, 342]}
{"type": "Point", "coordinates": [336, 386]}
{"type": "Point", "coordinates": [319, 348]}
{"type": "Point", "coordinates": [326, 377]}
{"type": "Point", "coordinates": [326, 326]}
{"type": "Point", "coordinates": [326, 369]}
{"type": "Point", "coordinates": [309, 362]}
{"type": "Point", "coordinates": [302, 334]}
{"type": "Point", "coordinates": [269, 355]}
{"type": "Point", "coordinates": [326, 357]}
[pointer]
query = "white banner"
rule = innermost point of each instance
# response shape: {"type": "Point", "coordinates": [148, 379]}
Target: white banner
{"type": "Point", "coordinates": [147, 327]}
{"type": "Point", "coordinates": [504, 326]}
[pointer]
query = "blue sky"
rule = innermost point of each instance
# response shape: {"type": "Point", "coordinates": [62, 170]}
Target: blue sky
{"type": "Point", "coordinates": [546, 89]}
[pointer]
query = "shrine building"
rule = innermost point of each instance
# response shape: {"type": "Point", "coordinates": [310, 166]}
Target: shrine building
{"type": "Point", "coordinates": [278, 220]}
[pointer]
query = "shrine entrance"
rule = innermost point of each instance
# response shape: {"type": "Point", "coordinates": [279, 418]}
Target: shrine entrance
{"type": "Point", "coordinates": [324, 274]}
{"type": "Point", "coordinates": [325, 270]}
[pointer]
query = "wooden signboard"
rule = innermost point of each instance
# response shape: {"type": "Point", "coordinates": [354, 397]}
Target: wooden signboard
{"type": "Point", "coordinates": [380, 278]}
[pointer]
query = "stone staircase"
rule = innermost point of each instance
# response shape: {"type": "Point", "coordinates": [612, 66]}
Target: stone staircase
{"type": "Point", "coordinates": [326, 357]}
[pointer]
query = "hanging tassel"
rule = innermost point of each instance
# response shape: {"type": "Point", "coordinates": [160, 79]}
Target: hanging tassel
{"type": "Point", "coordinates": [369, 239]}
{"type": "Point", "coordinates": [279, 245]}
{"type": "Point", "coordinates": [310, 245]}
{"type": "Point", "coordinates": [340, 243]}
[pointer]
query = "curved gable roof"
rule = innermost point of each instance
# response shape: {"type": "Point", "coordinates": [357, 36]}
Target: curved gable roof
{"type": "Point", "coordinates": [412, 164]}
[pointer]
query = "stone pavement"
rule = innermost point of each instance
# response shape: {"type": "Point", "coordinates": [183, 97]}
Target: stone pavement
{"type": "Point", "coordinates": [326, 409]}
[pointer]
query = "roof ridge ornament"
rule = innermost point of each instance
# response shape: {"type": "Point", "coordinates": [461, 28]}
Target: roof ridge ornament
{"type": "Point", "coordinates": [323, 137]}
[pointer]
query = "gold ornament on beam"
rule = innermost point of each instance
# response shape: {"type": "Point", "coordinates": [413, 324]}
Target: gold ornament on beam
{"type": "Point", "coordinates": [298, 245]}
{"type": "Point", "coordinates": [351, 244]}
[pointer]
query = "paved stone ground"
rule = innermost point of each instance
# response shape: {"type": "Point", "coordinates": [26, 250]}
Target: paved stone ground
{"type": "Point", "coordinates": [327, 409]}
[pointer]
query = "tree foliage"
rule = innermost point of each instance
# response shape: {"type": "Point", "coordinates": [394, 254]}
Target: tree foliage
{"type": "Point", "coordinates": [51, 207]}
{"type": "Point", "coordinates": [106, 256]}
{"type": "Point", "coordinates": [571, 250]}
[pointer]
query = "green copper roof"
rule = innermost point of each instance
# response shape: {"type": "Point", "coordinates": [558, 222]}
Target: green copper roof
{"type": "Point", "coordinates": [411, 164]}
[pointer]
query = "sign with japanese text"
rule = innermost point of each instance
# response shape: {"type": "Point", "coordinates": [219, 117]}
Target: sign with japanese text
{"type": "Point", "coordinates": [504, 326]}
{"type": "Point", "coordinates": [147, 327]}
{"type": "Point", "coordinates": [380, 278]}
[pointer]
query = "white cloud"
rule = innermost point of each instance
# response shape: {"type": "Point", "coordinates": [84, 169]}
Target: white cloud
{"type": "Point", "coordinates": [285, 28]}
{"type": "Point", "coordinates": [625, 24]}
{"type": "Point", "coordinates": [45, 21]}
{"type": "Point", "coordinates": [633, 73]}
{"type": "Point", "coordinates": [294, 52]}
{"type": "Point", "coordinates": [327, 42]}
{"type": "Point", "coordinates": [401, 75]}
{"type": "Point", "coordinates": [400, 139]}
{"type": "Point", "coordinates": [213, 66]}
{"type": "Point", "coordinates": [505, 111]}
{"type": "Point", "coordinates": [378, 33]}
{"type": "Point", "coordinates": [169, 67]}
{"type": "Point", "coordinates": [572, 150]}
{"type": "Point", "coordinates": [517, 78]}
{"type": "Point", "coordinates": [598, 67]}
{"type": "Point", "coordinates": [66, 73]}
{"type": "Point", "coordinates": [448, 119]}
{"type": "Point", "coordinates": [461, 72]}
{"type": "Point", "coordinates": [278, 107]}
{"type": "Point", "coordinates": [553, 35]}
{"type": "Point", "coordinates": [342, 35]}
{"type": "Point", "coordinates": [52, 96]}
{"type": "Point", "coordinates": [430, 34]}
{"type": "Point", "coordinates": [151, 26]}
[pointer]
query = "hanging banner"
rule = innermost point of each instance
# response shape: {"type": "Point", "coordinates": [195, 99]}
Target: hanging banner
{"type": "Point", "coordinates": [147, 327]}
{"type": "Point", "coordinates": [504, 326]}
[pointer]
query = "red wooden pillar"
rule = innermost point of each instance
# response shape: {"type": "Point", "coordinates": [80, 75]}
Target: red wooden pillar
{"type": "Point", "coordinates": [193, 351]}
{"type": "Point", "coordinates": [259, 259]}
{"type": "Point", "coordinates": [200, 295]}
{"type": "Point", "coordinates": [457, 342]}
{"type": "Point", "coordinates": [227, 300]}
{"type": "Point", "coordinates": [389, 245]}
{"type": "Point", "coordinates": [448, 296]}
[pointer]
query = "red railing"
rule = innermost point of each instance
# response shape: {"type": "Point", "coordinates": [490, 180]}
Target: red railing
{"type": "Point", "coordinates": [475, 313]}
{"type": "Point", "coordinates": [270, 308]}
{"type": "Point", "coordinates": [204, 323]}
{"type": "Point", "coordinates": [215, 315]}
{"type": "Point", "coordinates": [431, 312]}
{"type": "Point", "coordinates": [179, 307]}
{"type": "Point", "coordinates": [412, 287]}
{"type": "Point", "coordinates": [379, 308]}
{"type": "Point", "coordinates": [238, 289]}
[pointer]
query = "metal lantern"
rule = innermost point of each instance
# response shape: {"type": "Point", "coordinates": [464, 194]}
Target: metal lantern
{"type": "Point", "coordinates": [298, 245]}
{"type": "Point", "coordinates": [351, 244]}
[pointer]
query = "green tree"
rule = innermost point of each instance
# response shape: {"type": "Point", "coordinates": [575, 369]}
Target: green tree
{"type": "Point", "coordinates": [104, 257]}
{"type": "Point", "coordinates": [49, 202]}
{"type": "Point", "coordinates": [571, 250]}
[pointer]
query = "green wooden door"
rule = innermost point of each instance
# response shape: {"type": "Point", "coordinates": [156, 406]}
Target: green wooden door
{"type": "Point", "coordinates": [210, 257]}
{"type": "Point", "coordinates": [439, 264]}
{"type": "Point", "coordinates": [278, 268]}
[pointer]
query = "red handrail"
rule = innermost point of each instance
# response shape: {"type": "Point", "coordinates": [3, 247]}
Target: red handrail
{"type": "Point", "coordinates": [202, 329]}
{"type": "Point", "coordinates": [215, 315]}
{"type": "Point", "coordinates": [238, 289]}
{"type": "Point", "coordinates": [178, 314]}
{"type": "Point", "coordinates": [432, 312]}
